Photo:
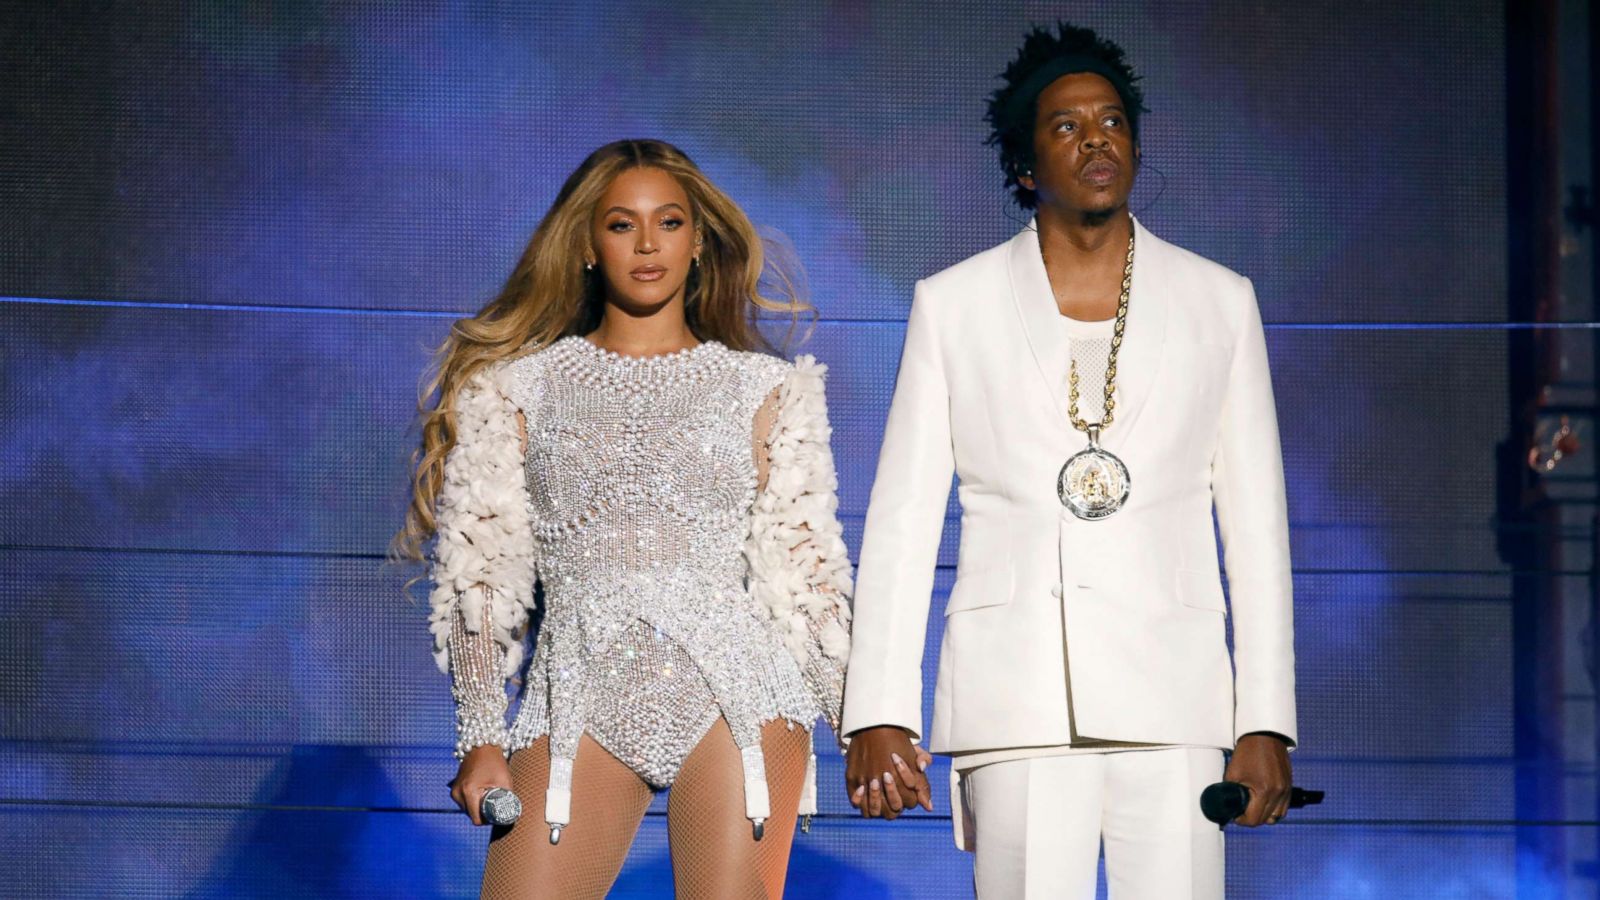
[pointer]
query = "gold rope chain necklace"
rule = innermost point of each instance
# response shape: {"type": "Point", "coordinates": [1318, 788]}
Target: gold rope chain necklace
{"type": "Point", "coordinates": [1094, 483]}
{"type": "Point", "coordinates": [1111, 360]}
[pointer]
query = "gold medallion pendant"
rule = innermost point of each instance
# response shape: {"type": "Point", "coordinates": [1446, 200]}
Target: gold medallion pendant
{"type": "Point", "coordinates": [1094, 483]}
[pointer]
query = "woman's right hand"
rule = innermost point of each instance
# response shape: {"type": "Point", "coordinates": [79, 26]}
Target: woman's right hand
{"type": "Point", "coordinates": [483, 768]}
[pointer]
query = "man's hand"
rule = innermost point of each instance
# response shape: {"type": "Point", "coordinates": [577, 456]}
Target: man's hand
{"type": "Point", "coordinates": [1261, 763]}
{"type": "Point", "coordinates": [884, 772]}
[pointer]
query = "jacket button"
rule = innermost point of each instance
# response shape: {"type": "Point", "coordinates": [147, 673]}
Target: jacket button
{"type": "Point", "coordinates": [1055, 591]}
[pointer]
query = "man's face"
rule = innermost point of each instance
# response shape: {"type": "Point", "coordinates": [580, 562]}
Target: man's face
{"type": "Point", "coordinates": [1084, 154]}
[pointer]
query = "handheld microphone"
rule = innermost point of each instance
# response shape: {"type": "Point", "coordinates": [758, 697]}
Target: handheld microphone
{"type": "Point", "coordinates": [1227, 800]}
{"type": "Point", "coordinates": [500, 807]}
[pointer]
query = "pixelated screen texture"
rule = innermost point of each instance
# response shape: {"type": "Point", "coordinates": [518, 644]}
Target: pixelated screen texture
{"type": "Point", "coordinates": [397, 156]}
{"type": "Point", "coordinates": [199, 642]}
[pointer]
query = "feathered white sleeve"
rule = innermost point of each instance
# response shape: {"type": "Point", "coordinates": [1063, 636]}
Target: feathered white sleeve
{"type": "Point", "coordinates": [799, 568]}
{"type": "Point", "coordinates": [483, 568]}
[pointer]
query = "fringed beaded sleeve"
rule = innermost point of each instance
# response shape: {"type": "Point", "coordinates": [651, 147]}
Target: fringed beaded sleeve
{"type": "Point", "coordinates": [799, 568]}
{"type": "Point", "coordinates": [483, 568]}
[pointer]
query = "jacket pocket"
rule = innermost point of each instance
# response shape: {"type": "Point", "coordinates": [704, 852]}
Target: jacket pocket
{"type": "Point", "coordinates": [990, 586]}
{"type": "Point", "coordinates": [1201, 590]}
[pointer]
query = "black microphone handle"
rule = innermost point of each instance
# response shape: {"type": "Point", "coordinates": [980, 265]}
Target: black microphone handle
{"type": "Point", "coordinates": [1300, 799]}
{"type": "Point", "coordinates": [1227, 800]}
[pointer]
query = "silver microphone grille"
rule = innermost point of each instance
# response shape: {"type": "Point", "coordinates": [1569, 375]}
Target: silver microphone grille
{"type": "Point", "coordinates": [501, 807]}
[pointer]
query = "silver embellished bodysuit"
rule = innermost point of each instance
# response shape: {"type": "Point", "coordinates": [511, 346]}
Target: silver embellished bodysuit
{"type": "Point", "coordinates": [677, 589]}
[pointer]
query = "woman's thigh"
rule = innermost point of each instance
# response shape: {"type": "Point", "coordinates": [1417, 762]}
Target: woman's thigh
{"type": "Point", "coordinates": [608, 801]}
{"type": "Point", "coordinates": [714, 850]}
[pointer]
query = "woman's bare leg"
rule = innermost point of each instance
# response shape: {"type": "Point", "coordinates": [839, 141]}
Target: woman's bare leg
{"type": "Point", "coordinates": [608, 801]}
{"type": "Point", "coordinates": [714, 852]}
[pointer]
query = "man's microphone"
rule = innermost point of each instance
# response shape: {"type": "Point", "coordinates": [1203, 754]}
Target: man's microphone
{"type": "Point", "coordinates": [1227, 800]}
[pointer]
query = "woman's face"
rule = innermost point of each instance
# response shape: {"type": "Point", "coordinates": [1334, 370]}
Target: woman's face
{"type": "Point", "coordinates": [643, 240]}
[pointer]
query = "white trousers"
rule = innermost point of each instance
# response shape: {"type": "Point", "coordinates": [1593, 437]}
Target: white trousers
{"type": "Point", "coordinates": [1039, 824]}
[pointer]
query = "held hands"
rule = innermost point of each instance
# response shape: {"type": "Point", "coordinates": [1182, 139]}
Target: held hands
{"type": "Point", "coordinates": [483, 768]}
{"type": "Point", "coordinates": [885, 773]}
{"type": "Point", "coordinates": [1261, 763]}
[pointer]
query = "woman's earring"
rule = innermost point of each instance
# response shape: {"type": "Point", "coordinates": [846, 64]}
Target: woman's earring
{"type": "Point", "coordinates": [588, 266]}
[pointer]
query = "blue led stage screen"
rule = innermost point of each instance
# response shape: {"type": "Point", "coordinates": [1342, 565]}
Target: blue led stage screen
{"type": "Point", "coordinates": [232, 233]}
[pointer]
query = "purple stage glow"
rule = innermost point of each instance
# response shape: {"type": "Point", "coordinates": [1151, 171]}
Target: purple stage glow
{"type": "Point", "coordinates": [232, 233]}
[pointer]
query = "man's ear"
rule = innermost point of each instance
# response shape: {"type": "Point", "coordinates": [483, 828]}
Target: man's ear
{"type": "Point", "coordinates": [1025, 178]}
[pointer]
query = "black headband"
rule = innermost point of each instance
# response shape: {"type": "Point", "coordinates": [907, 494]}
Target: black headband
{"type": "Point", "coordinates": [1021, 106]}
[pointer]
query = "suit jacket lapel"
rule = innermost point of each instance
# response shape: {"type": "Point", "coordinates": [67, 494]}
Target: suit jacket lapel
{"type": "Point", "coordinates": [1139, 360]}
{"type": "Point", "coordinates": [1036, 304]}
{"type": "Point", "coordinates": [1144, 336]}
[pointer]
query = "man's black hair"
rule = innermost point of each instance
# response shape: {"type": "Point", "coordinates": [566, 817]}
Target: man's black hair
{"type": "Point", "coordinates": [1044, 57]}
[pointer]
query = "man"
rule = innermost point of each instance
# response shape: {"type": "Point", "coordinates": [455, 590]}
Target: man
{"type": "Point", "coordinates": [1085, 691]}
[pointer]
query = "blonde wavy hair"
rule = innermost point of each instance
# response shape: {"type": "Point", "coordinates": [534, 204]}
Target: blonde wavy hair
{"type": "Point", "coordinates": [550, 295]}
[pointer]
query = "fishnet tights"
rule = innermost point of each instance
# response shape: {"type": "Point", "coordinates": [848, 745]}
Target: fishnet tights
{"type": "Point", "coordinates": [608, 800]}
{"type": "Point", "coordinates": [714, 854]}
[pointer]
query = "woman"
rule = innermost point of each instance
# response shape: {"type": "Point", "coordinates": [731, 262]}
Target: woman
{"type": "Point", "coordinates": [605, 430]}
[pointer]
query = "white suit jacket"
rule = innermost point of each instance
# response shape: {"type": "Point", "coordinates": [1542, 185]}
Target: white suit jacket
{"type": "Point", "coordinates": [1136, 599]}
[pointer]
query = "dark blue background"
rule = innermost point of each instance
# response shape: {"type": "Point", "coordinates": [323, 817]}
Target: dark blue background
{"type": "Point", "coordinates": [231, 234]}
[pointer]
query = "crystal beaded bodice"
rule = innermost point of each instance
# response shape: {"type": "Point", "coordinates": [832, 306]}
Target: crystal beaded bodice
{"type": "Point", "coordinates": [673, 593]}
{"type": "Point", "coordinates": [640, 467]}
